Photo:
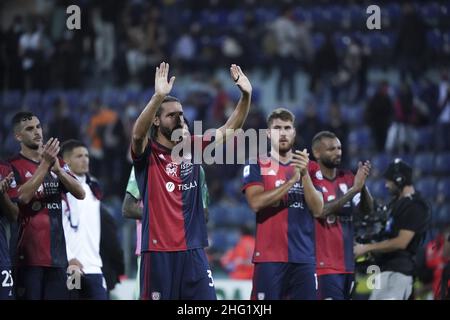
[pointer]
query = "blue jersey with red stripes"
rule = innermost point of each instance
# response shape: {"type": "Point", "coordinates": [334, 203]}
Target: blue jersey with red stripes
{"type": "Point", "coordinates": [334, 234]}
{"type": "Point", "coordinates": [41, 236]}
{"type": "Point", "coordinates": [173, 217]}
{"type": "Point", "coordinates": [5, 260]}
{"type": "Point", "coordinates": [285, 231]}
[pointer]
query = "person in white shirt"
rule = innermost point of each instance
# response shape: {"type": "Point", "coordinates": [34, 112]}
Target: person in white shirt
{"type": "Point", "coordinates": [81, 222]}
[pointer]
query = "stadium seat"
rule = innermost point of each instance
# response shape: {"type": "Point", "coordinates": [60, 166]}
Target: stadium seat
{"type": "Point", "coordinates": [443, 189]}
{"type": "Point", "coordinates": [379, 164]}
{"type": "Point", "coordinates": [441, 215]}
{"type": "Point", "coordinates": [423, 163]}
{"type": "Point", "coordinates": [424, 138]}
{"type": "Point", "coordinates": [378, 189]}
{"type": "Point", "coordinates": [442, 163]}
{"type": "Point", "coordinates": [32, 100]}
{"type": "Point", "coordinates": [11, 99]}
{"type": "Point", "coordinates": [360, 138]}
{"type": "Point", "coordinates": [427, 187]}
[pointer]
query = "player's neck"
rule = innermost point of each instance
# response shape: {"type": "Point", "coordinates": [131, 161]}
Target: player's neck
{"type": "Point", "coordinates": [407, 192]}
{"type": "Point", "coordinates": [329, 173]}
{"type": "Point", "coordinates": [282, 157]}
{"type": "Point", "coordinates": [31, 154]}
{"type": "Point", "coordinates": [165, 142]}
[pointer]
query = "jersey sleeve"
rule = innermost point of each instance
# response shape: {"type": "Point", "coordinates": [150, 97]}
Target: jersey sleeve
{"type": "Point", "coordinates": [251, 175]}
{"type": "Point", "coordinates": [315, 175]}
{"type": "Point", "coordinates": [132, 186]}
{"type": "Point", "coordinates": [141, 161]}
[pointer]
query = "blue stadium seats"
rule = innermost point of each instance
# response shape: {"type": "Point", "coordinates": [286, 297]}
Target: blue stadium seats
{"type": "Point", "coordinates": [424, 138]}
{"type": "Point", "coordinates": [32, 100]}
{"type": "Point", "coordinates": [443, 188]}
{"type": "Point", "coordinates": [427, 187]}
{"type": "Point", "coordinates": [360, 138]}
{"type": "Point", "coordinates": [378, 189]}
{"type": "Point", "coordinates": [441, 215]}
{"type": "Point", "coordinates": [442, 163]}
{"type": "Point", "coordinates": [380, 163]}
{"type": "Point", "coordinates": [423, 163]}
{"type": "Point", "coordinates": [11, 99]}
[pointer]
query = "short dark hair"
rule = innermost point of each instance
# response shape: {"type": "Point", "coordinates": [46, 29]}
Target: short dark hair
{"type": "Point", "coordinates": [321, 135]}
{"type": "Point", "coordinates": [280, 113]}
{"type": "Point", "coordinates": [69, 145]}
{"type": "Point", "coordinates": [153, 128]}
{"type": "Point", "coordinates": [21, 116]}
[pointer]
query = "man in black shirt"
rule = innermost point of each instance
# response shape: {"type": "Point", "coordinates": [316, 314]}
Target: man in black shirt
{"type": "Point", "coordinates": [409, 219]}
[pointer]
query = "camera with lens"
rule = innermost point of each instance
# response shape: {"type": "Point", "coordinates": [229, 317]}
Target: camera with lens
{"type": "Point", "coordinates": [371, 227]}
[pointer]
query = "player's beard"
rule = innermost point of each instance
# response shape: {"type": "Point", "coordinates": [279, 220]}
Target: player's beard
{"type": "Point", "coordinates": [330, 164]}
{"type": "Point", "coordinates": [167, 132]}
{"type": "Point", "coordinates": [32, 145]}
{"type": "Point", "coordinates": [285, 149]}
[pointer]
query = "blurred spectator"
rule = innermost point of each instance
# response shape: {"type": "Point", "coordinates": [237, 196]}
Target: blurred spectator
{"type": "Point", "coordinates": [308, 126]}
{"type": "Point", "coordinates": [378, 115]}
{"type": "Point", "coordinates": [110, 250]}
{"type": "Point", "coordinates": [339, 126]}
{"type": "Point", "coordinates": [435, 260]}
{"type": "Point", "coordinates": [9, 54]}
{"type": "Point", "coordinates": [325, 65]}
{"type": "Point", "coordinates": [238, 260]}
{"type": "Point", "coordinates": [443, 126]}
{"type": "Point", "coordinates": [401, 134]}
{"type": "Point", "coordinates": [62, 124]}
{"type": "Point", "coordinates": [411, 45]}
{"type": "Point", "coordinates": [285, 33]}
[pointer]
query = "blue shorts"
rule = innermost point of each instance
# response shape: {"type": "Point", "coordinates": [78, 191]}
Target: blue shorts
{"type": "Point", "coordinates": [281, 280]}
{"type": "Point", "coordinates": [41, 283]}
{"type": "Point", "coordinates": [6, 284]}
{"type": "Point", "coordinates": [178, 275]}
{"type": "Point", "coordinates": [336, 286]}
{"type": "Point", "coordinates": [92, 287]}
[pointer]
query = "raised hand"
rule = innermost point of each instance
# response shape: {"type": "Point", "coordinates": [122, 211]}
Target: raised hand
{"type": "Point", "coordinates": [5, 182]}
{"type": "Point", "coordinates": [240, 79]}
{"type": "Point", "coordinates": [300, 160]}
{"type": "Point", "coordinates": [162, 86]}
{"type": "Point", "coordinates": [51, 150]}
{"type": "Point", "coordinates": [361, 175]}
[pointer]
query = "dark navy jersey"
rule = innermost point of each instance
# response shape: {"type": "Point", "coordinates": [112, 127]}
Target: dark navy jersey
{"type": "Point", "coordinates": [41, 236]}
{"type": "Point", "coordinates": [285, 231]}
{"type": "Point", "coordinates": [173, 217]}
{"type": "Point", "coordinates": [334, 234]}
{"type": "Point", "coordinates": [5, 261]}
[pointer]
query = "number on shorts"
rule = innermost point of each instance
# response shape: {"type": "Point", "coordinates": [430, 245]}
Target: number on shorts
{"type": "Point", "coordinates": [211, 284]}
{"type": "Point", "coordinates": [8, 280]}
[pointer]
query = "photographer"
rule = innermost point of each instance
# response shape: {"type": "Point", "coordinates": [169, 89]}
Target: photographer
{"type": "Point", "coordinates": [406, 227]}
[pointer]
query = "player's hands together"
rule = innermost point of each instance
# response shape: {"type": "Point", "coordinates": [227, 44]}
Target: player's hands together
{"type": "Point", "coordinates": [162, 86]}
{"type": "Point", "coordinates": [51, 150]}
{"type": "Point", "coordinates": [359, 250]}
{"type": "Point", "coordinates": [5, 182]}
{"type": "Point", "coordinates": [361, 175]}
{"type": "Point", "coordinates": [300, 160]}
{"type": "Point", "coordinates": [240, 79]}
{"type": "Point", "coordinates": [76, 264]}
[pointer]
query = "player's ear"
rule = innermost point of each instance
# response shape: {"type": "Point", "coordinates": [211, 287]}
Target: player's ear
{"type": "Point", "coordinates": [315, 152]}
{"type": "Point", "coordinates": [156, 121]}
{"type": "Point", "coordinates": [268, 133]}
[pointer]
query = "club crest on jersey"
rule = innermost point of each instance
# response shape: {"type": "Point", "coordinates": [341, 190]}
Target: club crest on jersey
{"type": "Point", "coordinates": [156, 295]}
{"type": "Point", "coordinates": [278, 183]}
{"type": "Point", "coordinates": [28, 174]}
{"type": "Point", "coordinates": [36, 206]}
{"type": "Point", "coordinates": [343, 188]}
{"type": "Point", "coordinates": [319, 175]}
{"type": "Point", "coordinates": [246, 171]}
{"type": "Point", "coordinates": [331, 219]}
{"type": "Point", "coordinates": [261, 295]}
{"type": "Point", "coordinates": [171, 169]}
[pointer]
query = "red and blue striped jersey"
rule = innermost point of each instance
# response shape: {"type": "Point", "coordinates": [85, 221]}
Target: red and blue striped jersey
{"type": "Point", "coordinates": [41, 236]}
{"type": "Point", "coordinates": [5, 260]}
{"type": "Point", "coordinates": [285, 231]}
{"type": "Point", "coordinates": [334, 234]}
{"type": "Point", "coordinates": [173, 217]}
